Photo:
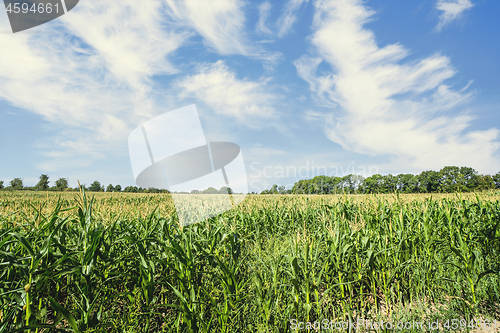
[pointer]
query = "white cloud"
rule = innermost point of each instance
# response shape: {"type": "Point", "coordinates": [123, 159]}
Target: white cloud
{"type": "Point", "coordinates": [265, 41]}
{"type": "Point", "coordinates": [289, 16]}
{"type": "Point", "coordinates": [221, 23]}
{"type": "Point", "coordinates": [131, 39]}
{"type": "Point", "coordinates": [217, 86]}
{"type": "Point", "coordinates": [451, 10]}
{"type": "Point", "coordinates": [321, 85]}
{"type": "Point", "coordinates": [264, 9]}
{"type": "Point", "coordinates": [285, 21]}
{"type": "Point", "coordinates": [89, 73]}
{"type": "Point", "coordinates": [314, 116]}
{"type": "Point", "coordinates": [386, 107]}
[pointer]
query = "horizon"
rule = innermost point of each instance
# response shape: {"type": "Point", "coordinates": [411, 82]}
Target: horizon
{"type": "Point", "coordinates": [396, 87]}
{"type": "Point", "coordinates": [449, 176]}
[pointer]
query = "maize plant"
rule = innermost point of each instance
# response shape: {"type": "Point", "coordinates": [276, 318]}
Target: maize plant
{"type": "Point", "coordinates": [121, 262]}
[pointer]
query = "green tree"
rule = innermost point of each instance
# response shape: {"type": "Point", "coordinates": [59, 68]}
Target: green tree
{"type": "Point", "coordinates": [118, 188]}
{"type": "Point", "coordinates": [16, 183]}
{"type": "Point", "coordinates": [374, 184]}
{"type": "Point", "coordinates": [452, 180]}
{"type": "Point", "coordinates": [318, 185]}
{"type": "Point", "coordinates": [210, 190]}
{"type": "Point", "coordinates": [496, 179]}
{"type": "Point", "coordinates": [43, 183]}
{"type": "Point", "coordinates": [484, 182]}
{"type": "Point", "coordinates": [407, 183]}
{"type": "Point", "coordinates": [390, 183]}
{"type": "Point", "coordinates": [300, 187]}
{"type": "Point", "coordinates": [95, 186]}
{"type": "Point", "coordinates": [223, 190]}
{"type": "Point", "coordinates": [470, 178]}
{"type": "Point", "coordinates": [350, 183]}
{"type": "Point", "coordinates": [274, 189]}
{"type": "Point", "coordinates": [1, 184]}
{"type": "Point", "coordinates": [131, 189]}
{"type": "Point", "coordinates": [357, 181]}
{"type": "Point", "coordinates": [110, 188]}
{"type": "Point", "coordinates": [429, 181]}
{"type": "Point", "coordinates": [61, 184]}
{"type": "Point", "coordinates": [448, 179]}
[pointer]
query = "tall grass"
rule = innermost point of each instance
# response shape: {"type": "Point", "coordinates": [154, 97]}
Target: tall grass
{"type": "Point", "coordinates": [122, 263]}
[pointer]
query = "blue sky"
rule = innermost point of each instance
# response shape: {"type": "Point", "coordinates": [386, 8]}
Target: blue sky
{"type": "Point", "coordinates": [303, 87]}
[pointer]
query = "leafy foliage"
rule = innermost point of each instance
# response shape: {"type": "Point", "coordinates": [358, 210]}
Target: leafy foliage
{"type": "Point", "coordinates": [96, 187]}
{"type": "Point", "coordinates": [16, 183]}
{"type": "Point", "coordinates": [121, 262]}
{"type": "Point", "coordinates": [61, 184]}
{"type": "Point", "coordinates": [43, 183]}
{"type": "Point", "coordinates": [450, 179]}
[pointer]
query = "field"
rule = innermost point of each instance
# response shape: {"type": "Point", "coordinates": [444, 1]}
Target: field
{"type": "Point", "coordinates": [121, 262]}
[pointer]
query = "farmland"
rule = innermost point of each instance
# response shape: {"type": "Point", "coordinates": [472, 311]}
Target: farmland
{"type": "Point", "coordinates": [120, 262]}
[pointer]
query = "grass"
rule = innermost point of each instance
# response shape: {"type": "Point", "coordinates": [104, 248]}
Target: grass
{"type": "Point", "coordinates": [122, 262]}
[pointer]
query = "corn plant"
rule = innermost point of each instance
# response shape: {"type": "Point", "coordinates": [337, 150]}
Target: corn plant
{"type": "Point", "coordinates": [121, 262]}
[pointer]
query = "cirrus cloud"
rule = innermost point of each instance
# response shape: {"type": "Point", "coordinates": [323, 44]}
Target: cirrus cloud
{"type": "Point", "coordinates": [384, 106]}
{"type": "Point", "coordinates": [451, 10]}
{"type": "Point", "coordinates": [219, 88]}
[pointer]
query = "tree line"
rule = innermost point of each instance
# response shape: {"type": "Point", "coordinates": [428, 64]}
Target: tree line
{"type": "Point", "coordinates": [62, 185]}
{"type": "Point", "coordinates": [448, 179]}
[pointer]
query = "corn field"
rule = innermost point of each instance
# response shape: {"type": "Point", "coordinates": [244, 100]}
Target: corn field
{"type": "Point", "coordinates": [122, 263]}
